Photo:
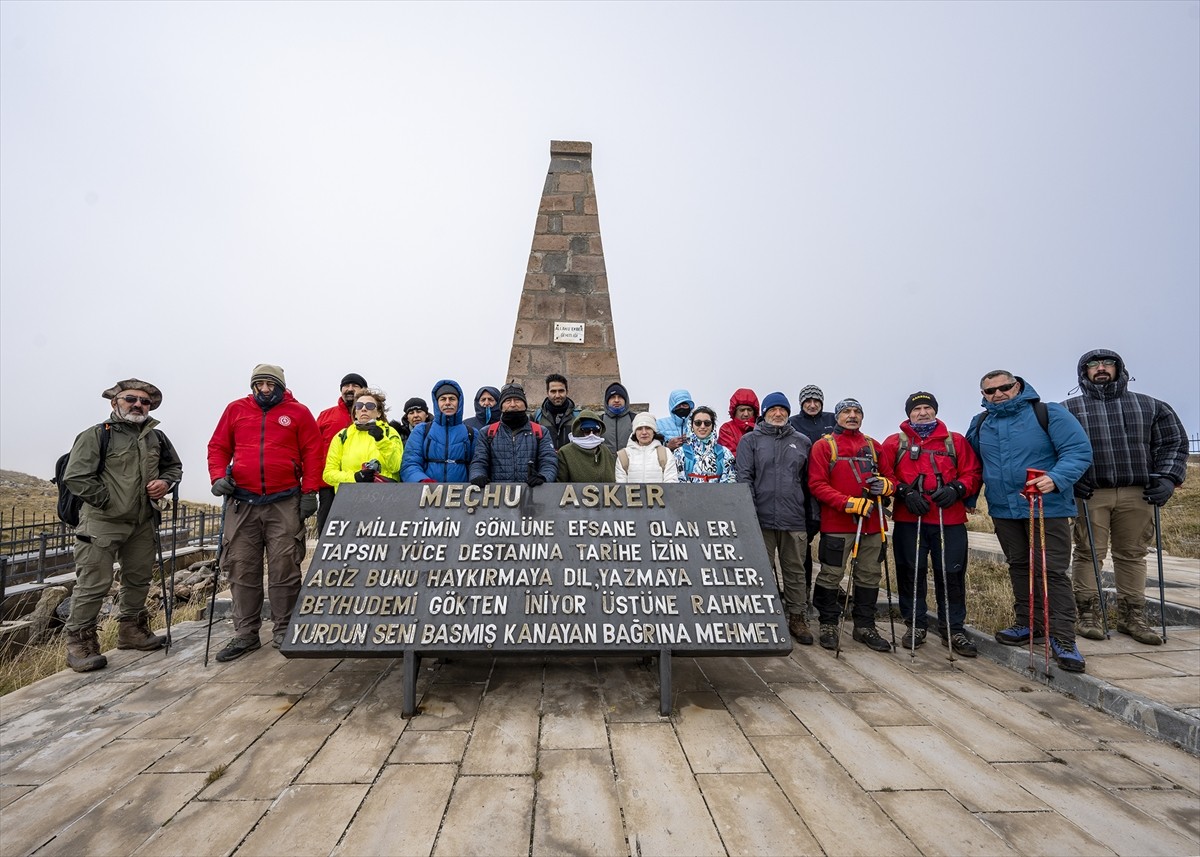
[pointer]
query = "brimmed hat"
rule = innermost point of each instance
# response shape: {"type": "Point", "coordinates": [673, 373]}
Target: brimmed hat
{"type": "Point", "coordinates": [267, 372]}
{"type": "Point", "coordinates": [146, 387]}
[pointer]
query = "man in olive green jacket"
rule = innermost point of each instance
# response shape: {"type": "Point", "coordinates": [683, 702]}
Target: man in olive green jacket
{"type": "Point", "coordinates": [118, 519]}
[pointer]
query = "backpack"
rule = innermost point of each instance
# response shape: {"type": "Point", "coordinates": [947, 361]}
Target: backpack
{"type": "Point", "coordinates": [623, 457]}
{"type": "Point", "coordinates": [916, 450]}
{"type": "Point", "coordinates": [1039, 410]}
{"type": "Point", "coordinates": [833, 453]}
{"type": "Point", "coordinates": [492, 428]}
{"type": "Point", "coordinates": [69, 505]}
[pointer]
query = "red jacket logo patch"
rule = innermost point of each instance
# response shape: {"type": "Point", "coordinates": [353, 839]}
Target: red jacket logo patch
{"type": "Point", "coordinates": [285, 420]}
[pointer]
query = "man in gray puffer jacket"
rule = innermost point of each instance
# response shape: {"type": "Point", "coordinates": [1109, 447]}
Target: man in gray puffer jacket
{"type": "Point", "coordinates": [773, 461]}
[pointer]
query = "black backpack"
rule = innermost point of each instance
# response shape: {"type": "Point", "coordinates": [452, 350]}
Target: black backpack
{"type": "Point", "coordinates": [68, 504]}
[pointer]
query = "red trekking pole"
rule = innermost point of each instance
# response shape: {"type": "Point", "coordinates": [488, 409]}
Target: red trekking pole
{"type": "Point", "coordinates": [1035, 497]}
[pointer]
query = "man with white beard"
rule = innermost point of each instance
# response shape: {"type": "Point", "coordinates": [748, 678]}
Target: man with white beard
{"type": "Point", "coordinates": [119, 469]}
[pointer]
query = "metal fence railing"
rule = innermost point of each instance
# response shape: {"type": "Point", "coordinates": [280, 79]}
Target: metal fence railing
{"type": "Point", "coordinates": [1194, 444]}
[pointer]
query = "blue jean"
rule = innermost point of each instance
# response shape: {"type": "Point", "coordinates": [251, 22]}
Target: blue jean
{"type": "Point", "coordinates": [904, 549]}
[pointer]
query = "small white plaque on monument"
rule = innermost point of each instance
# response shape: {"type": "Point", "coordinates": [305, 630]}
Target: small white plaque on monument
{"type": "Point", "coordinates": [568, 331]}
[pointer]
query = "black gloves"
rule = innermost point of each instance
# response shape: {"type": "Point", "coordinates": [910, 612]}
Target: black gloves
{"type": "Point", "coordinates": [913, 500]}
{"type": "Point", "coordinates": [1083, 490]}
{"type": "Point", "coordinates": [375, 430]}
{"type": "Point", "coordinates": [1159, 491]}
{"type": "Point", "coordinates": [225, 487]}
{"type": "Point", "coordinates": [949, 494]}
{"type": "Point", "coordinates": [308, 506]}
{"type": "Point", "coordinates": [364, 476]}
{"type": "Point", "coordinates": [479, 481]}
{"type": "Point", "coordinates": [536, 479]}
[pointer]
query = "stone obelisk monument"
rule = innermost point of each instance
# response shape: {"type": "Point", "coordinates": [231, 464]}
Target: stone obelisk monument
{"type": "Point", "coordinates": [564, 321]}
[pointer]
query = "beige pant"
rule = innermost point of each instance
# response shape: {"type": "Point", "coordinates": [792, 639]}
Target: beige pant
{"type": "Point", "coordinates": [1124, 522]}
{"type": "Point", "coordinates": [870, 560]}
{"type": "Point", "coordinates": [789, 563]}
{"type": "Point", "coordinates": [275, 528]}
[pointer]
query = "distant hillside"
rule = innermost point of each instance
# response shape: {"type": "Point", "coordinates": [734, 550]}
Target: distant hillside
{"type": "Point", "coordinates": [36, 498]}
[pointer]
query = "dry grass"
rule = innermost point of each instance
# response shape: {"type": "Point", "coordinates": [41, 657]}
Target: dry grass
{"type": "Point", "coordinates": [989, 596]}
{"type": "Point", "coordinates": [33, 663]}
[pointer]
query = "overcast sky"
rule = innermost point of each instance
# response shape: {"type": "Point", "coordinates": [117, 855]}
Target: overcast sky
{"type": "Point", "coordinates": [873, 197]}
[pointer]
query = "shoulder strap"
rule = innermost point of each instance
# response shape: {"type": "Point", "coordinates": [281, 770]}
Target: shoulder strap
{"type": "Point", "coordinates": [662, 458]}
{"type": "Point", "coordinates": [901, 449]}
{"type": "Point", "coordinates": [829, 439]}
{"type": "Point", "coordinates": [492, 429]}
{"type": "Point", "coordinates": [623, 457]}
{"type": "Point", "coordinates": [537, 429]}
{"type": "Point", "coordinates": [105, 434]}
{"type": "Point", "coordinates": [343, 434]}
{"type": "Point", "coordinates": [1043, 414]}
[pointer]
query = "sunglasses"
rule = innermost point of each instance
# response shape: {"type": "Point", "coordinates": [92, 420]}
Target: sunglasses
{"type": "Point", "coordinates": [365, 406]}
{"type": "Point", "coordinates": [701, 423]}
{"type": "Point", "coordinates": [590, 430]}
{"type": "Point", "coordinates": [136, 400]}
{"type": "Point", "coordinates": [1092, 364]}
{"type": "Point", "coordinates": [1003, 388]}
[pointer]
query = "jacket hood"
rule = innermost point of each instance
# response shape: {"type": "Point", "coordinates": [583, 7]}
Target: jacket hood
{"type": "Point", "coordinates": [438, 416]}
{"type": "Point", "coordinates": [743, 396]}
{"type": "Point", "coordinates": [1027, 395]}
{"type": "Point", "coordinates": [678, 397]}
{"type": "Point", "coordinates": [1103, 391]}
{"type": "Point", "coordinates": [585, 415]}
{"type": "Point", "coordinates": [487, 416]}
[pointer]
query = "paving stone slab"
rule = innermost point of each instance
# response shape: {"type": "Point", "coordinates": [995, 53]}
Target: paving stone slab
{"type": "Point", "coordinates": [762, 714]}
{"type": "Point", "coordinates": [305, 820]}
{"type": "Point", "coordinates": [1176, 808]}
{"type": "Point", "coordinates": [417, 747]}
{"type": "Point", "coordinates": [710, 737]}
{"type": "Point", "coordinates": [46, 757]}
{"type": "Point", "coordinates": [577, 809]}
{"type": "Point", "coordinates": [869, 757]}
{"type": "Point", "coordinates": [947, 764]}
{"type": "Point", "coordinates": [1186, 662]}
{"type": "Point", "coordinates": [836, 675]}
{"type": "Point", "coordinates": [361, 744]}
{"type": "Point", "coordinates": [688, 676]}
{"type": "Point", "coordinates": [882, 709]}
{"type": "Point", "coordinates": [629, 690]}
{"type": "Point", "coordinates": [732, 675]}
{"type": "Point", "coordinates": [134, 813]}
{"type": "Point", "coordinates": [487, 816]}
{"type": "Point", "coordinates": [1116, 667]}
{"type": "Point", "coordinates": [447, 706]}
{"type": "Point", "coordinates": [754, 816]}
{"type": "Point", "coordinates": [787, 670]}
{"type": "Point", "coordinates": [187, 716]}
{"type": "Point", "coordinates": [1044, 833]}
{"type": "Point", "coordinates": [1118, 824]}
{"type": "Point", "coordinates": [271, 763]}
{"type": "Point", "coordinates": [156, 694]}
{"type": "Point", "coordinates": [1111, 770]}
{"type": "Point", "coordinates": [32, 720]}
{"type": "Point", "coordinates": [665, 813]}
{"type": "Point", "coordinates": [504, 736]}
{"type": "Point", "coordinates": [1078, 718]}
{"type": "Point", "coordinates": [10, 793]}
{"type": "Point", "coordinates": [226, 736]}
{"type": "Point", "coordinates": [27, 823]}
{"type": "Point", "coordinates": [572, 707]}
{"type": "Point", "coordinates": [1171, 690]}
{"type": "Point", "coordinates": [401, 813]}
{"type": "Point", "coordinates": [273, 673]}
{"type": "Point", "coordinates": [1181, 768]}
{"type": "Point", "coordinates": [843, 818]}
{"type": "Point", "coordinates": [205, 829]}
{"type": "Point", "coordinates": [939, 825]}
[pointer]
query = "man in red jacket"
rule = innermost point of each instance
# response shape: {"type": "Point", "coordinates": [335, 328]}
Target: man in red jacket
{"type": "Point", "coordinates": [934, 469]}
{"type": "Point", "coordinates": [265, 458]}
{"type": "Point", "coordinates": [843, 474]}
{"type": "Point", "coordinates": [329, 422]}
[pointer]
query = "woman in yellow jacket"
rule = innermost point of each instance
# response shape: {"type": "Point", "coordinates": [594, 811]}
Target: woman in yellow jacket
{"type": "Point", "coordinates": [368, 447]}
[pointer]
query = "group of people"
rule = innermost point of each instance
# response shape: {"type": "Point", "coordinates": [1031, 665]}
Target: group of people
{"type": "Point", "coordinates": [1104, 458]}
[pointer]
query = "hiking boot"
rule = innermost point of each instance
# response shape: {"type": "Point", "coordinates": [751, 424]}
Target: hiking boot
{"type": "Point", "coordinates": [869, 637]}
{"type": "Point", "coordinates": [798, 626]}
{"type": "Point", "coordinates": [1017, 635]}
{"type": "Point", "coordinates": [1089, 622]}
{"type": "Point", "coordinates": [913, 637]}
{"type": "Point", "coordinates": [829, 636]}
{"type": "Point", "coordinates": [1067, 655]}
{"type": "Point", "coordinates": [962, 644]}
{"type": "Point", "coordinates": [1131, 620]}
{"type": "Point", "coordinates": [83, 650]}
{"type": "Point", "coordinates": [238, 646]}
{"type": "Point", "coordinates": [133, 632]}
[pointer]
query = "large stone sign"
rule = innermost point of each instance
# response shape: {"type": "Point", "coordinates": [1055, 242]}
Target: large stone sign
{"type": "Point", "coordinates": [443, 569]}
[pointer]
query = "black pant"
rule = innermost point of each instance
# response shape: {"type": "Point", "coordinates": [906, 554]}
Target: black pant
{"type": "Point", "coordinates": [904, 549]}
{"type": "Point", "coordinates": [1014, 541]}
{"type": "Point", "coordinates": [325, 500]}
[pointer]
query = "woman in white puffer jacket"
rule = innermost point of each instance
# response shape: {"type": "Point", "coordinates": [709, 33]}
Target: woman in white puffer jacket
{"type": "Point", "coordinates": [645, 459]}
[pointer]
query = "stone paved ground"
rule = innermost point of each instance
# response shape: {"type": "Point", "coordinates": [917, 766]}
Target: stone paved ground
{"type": "Point", "coordinates": [870, 754]}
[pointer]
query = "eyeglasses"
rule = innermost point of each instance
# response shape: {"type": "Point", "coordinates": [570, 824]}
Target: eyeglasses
{"type": "Point", "coordinates": [1003, 388]}
{"type": "Point", "coordinates": [1092, 364]}
{"type": "Point", "coordinates": [590, 430]}
{"type": "Point", "coordinates": [365, 406]}
{"type": "Point", "coordinates": [136, 400]}
{"type": "Point", "coordinates": [702, 423]}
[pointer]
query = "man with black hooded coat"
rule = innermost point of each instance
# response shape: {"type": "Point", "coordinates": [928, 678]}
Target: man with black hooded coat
{"type": "Point", "coordinates": [487, 408]}
{"type": "Point", "coordinates": [514, 449]}
{"type": "Point", "coordinates": [1139, 457]}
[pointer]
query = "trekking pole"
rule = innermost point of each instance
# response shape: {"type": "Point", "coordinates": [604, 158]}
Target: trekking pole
{"type": "Point", "coordinates": [887, 572]}
{"type": "Point", "coordinates": [162, 577]}
{"type": "Point", "coordinates": [212, 607]}
{"type": "Point", "coordinates": [1045, 582]}
{"type": "Point", "coordinates": [1032, 668]}
{"type": "Point", "coordinates": [918, 484]}
{"type": "Point", "coordinates": [850, 585]}
{"type": "Point", "coordinates": [1162, 586]}
{"type": "Point", "coordinates": [169, 607]}
{"type": "Point", "coordinates": [945, 575]}
{"type": "Point", "coordinates": [1032, 494]}
{"type": "Point", "coordinates": [1087, 519]}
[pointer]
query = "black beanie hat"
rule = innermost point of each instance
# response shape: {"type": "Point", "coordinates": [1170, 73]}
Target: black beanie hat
{"type": "Point", "coordinates": [919, 398]}
{"type": "Point", "coordinates": [354, 378]}
{"type": "Point", "coordinates": [513, 391]}
{"type": "Point", "coordinates": [415, 402]}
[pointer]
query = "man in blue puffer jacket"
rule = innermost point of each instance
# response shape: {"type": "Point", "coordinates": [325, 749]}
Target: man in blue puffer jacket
{"type": "Point", "coordinates": [440, 451]}
{"type": "Point", "coordinates": [1016, 432]}
{"type": "Point", "coordinates": [514, 449]}
{"type": "Point", "coordinates": [674, 425]}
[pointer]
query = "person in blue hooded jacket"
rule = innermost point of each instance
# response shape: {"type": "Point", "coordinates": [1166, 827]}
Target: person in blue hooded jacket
{"type": "Point", "coordinates": [1017, 431]}
{"type": "Point", "coordinates": [674, 426]}
{"type": "Point", "coordinates": [441, 450]}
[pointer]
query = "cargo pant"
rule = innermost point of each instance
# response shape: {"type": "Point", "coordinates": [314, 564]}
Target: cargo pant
{"type": "Point", "coordinates": [98, 544]}
{"type": "Point", "coordinates": [250, 530]}
{"type": "Point", "coordinates": [1124, 521]}
{"type": "Point", "coordinates": [789, 565]}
